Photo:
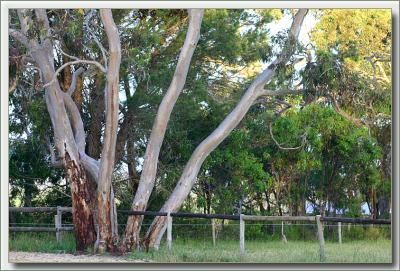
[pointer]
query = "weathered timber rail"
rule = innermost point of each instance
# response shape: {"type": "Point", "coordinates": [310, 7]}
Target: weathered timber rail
{"type": "Point", "coordinates": [356, 220]}
{"type": "Point", "coordinates": [39, 229]}
{"type": "Point", "coordinates": [58, 229]}
{"type": "Point", "coordinates": [39, 209]}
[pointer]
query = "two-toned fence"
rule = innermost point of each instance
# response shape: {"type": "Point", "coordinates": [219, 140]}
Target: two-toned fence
{"type": "Point", "coordinates": [242, 218]}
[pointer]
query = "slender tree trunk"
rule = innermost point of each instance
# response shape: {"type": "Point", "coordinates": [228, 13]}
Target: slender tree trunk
{"type": "Point", "coordinates": [268, 201]}
{"type": "Point", "coordinates": [149, 172]}
{"type": "Point", "coordinates": [189, 175]}
{"type": "Point", "coordinates": [105, 213]}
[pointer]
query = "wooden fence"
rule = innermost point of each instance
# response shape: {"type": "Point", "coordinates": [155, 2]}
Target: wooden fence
{"type": "Point", "coordinates": [58, 229]}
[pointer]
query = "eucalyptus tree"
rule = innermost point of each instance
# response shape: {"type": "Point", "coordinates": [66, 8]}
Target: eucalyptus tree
{"type": "Point", "coordinates": [35, 34]}
{"type": "Point", "coordinates": [255, 90]}
{"type": "Point", "coordinates": [148, 175]}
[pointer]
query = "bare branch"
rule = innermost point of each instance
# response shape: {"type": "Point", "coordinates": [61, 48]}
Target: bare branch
{"type": "Point", "coordinates": [75, 75]}
{"type": "Point", "coordinates": [96, 40]}
{"type": "Point", "coordinates": [355, 121]}
{"type": "Point", "coordinates": [281, 92]}
{"type": "Point", "coordinates": [73, 63]}
{"type": "Point", "coordinates": [54, 162]}
{"type": "Point", "coordinates": [303, 142]}
{"type": "Point", "coordinates": [64, 53]}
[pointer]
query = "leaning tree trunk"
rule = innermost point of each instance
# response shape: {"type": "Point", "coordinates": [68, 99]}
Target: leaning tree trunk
{"type": "Point", "coordinates": [148, 175]}
{"type": "Point", "coordinates": [256, 89]}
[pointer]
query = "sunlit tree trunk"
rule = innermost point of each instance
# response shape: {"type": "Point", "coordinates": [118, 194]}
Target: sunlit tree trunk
{"type": "Point", "coordinates": [69, 133]}
{"type": "Point", "coordinates": [147, 178]}
{"type": "Point", "coordinates": [255, 90]}
{"type": "Point", "coordinates": [105, 196]}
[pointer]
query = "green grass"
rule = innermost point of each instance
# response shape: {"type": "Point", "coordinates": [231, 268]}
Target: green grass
{"type": "Point", "coordinates": [271, 252]}
{"type": "Point", "coordinates": [365, 251]}
{"type": "Point", "coordinates": [41, 242]}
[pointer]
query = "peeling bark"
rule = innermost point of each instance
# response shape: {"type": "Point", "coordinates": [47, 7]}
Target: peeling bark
{"type": "Point", "coordinates": [69, 134]}
{"type": "Point", "coordinates": [85, 234]}
{"type": "Point", "coordinates": [255, 90]}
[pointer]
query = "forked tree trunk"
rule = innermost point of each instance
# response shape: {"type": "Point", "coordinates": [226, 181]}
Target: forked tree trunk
{"type": "Point", "coordinates": [256, 89]}
{"type": "Point", "coordinates": [148, 175]}
{"type": "Point", "coordinates": [69, 134]}
{"type": "Point", "coordinates": [85, 234]}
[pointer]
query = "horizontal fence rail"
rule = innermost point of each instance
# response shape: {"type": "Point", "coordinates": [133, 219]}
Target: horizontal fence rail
{"type": "Point", "coordinates": [39, 229]}
{"type": "Point", "coordinates": [355, 220]}
{"type": "Point", "coordinates": [320, 221]}
{"type": "Point", "coordinates": [278, 218]}
{"type": "Point", "coordinates": [181, 214]}
{"type": "Point", "coordinates": [213, 216]}
{"type": "Point", "coordinates": [39, 209]}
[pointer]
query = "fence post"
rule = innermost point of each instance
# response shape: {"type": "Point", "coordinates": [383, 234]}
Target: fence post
{"type": "Point", "coordinates": [321, 238]}
{"type": "Point", "coordinates": [169, 231]}
{"type": "Point", "coordinates": [213, 230]}
{"type": "Point", "coordinates": [340, 232]}
{"type": "Point", "coordinates": [241, 239]}
{"type": "Point", "coordinates": [283, 235]}
{"type": "Point", "coordinates": [58, 223]}
{"type": "Point", "coordinates": [158, 241]}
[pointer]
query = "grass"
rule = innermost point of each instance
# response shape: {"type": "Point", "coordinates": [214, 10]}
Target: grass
{"type": "Point", "coordinates": [271, 252]}
{"type": "Point", "coordinates": [195, 251]}
{"type": "Point", "coordinates": [41, 242]}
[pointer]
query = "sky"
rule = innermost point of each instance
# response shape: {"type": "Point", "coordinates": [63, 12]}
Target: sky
{"type": "Point", "coordinates": [284, 23]}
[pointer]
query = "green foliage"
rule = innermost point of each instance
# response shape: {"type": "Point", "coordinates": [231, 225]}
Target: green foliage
{"type": "Point", "coordinates": [373, 233]}
{"type": "Point", "coordinates": [337, 167]}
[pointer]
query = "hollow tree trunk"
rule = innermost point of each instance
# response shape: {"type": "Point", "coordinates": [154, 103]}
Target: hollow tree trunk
{"type": "Point", "coordinates": [189, 175]}
{"type": "Point", "coordinates": [149, 172]}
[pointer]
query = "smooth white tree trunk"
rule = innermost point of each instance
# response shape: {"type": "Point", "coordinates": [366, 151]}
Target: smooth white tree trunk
{"type": "Point", "coordinates": [105, 213]}
{"type": "Point", "coordinates": [255, 90]}
{"type": "Point", "coordinates": [148, 176]}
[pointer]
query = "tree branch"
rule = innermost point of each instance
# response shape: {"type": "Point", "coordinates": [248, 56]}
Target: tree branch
{"type": "Point", "coordinates": [303, 142]}
{"type": "Point", "coordinates": [75, 75]}
{"type": "Point", "coordinates": [281, 92]}
{"type": "Point", "coordinates": [76, 121]}
{"type": "Point", "coordinates": [73, 63]}
{"type": "Point", "coordinates": [96, 40]}
{"type": "Point", "coordinates": [355, 121]}
{"type": "Point", "coordinates": [64, 53]}
{"type": "Point", "coordinates": [54, 162]}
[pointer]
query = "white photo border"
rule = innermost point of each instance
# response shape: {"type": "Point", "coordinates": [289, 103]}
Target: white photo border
{"type": "Point", "coordinates": [6, 5]}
